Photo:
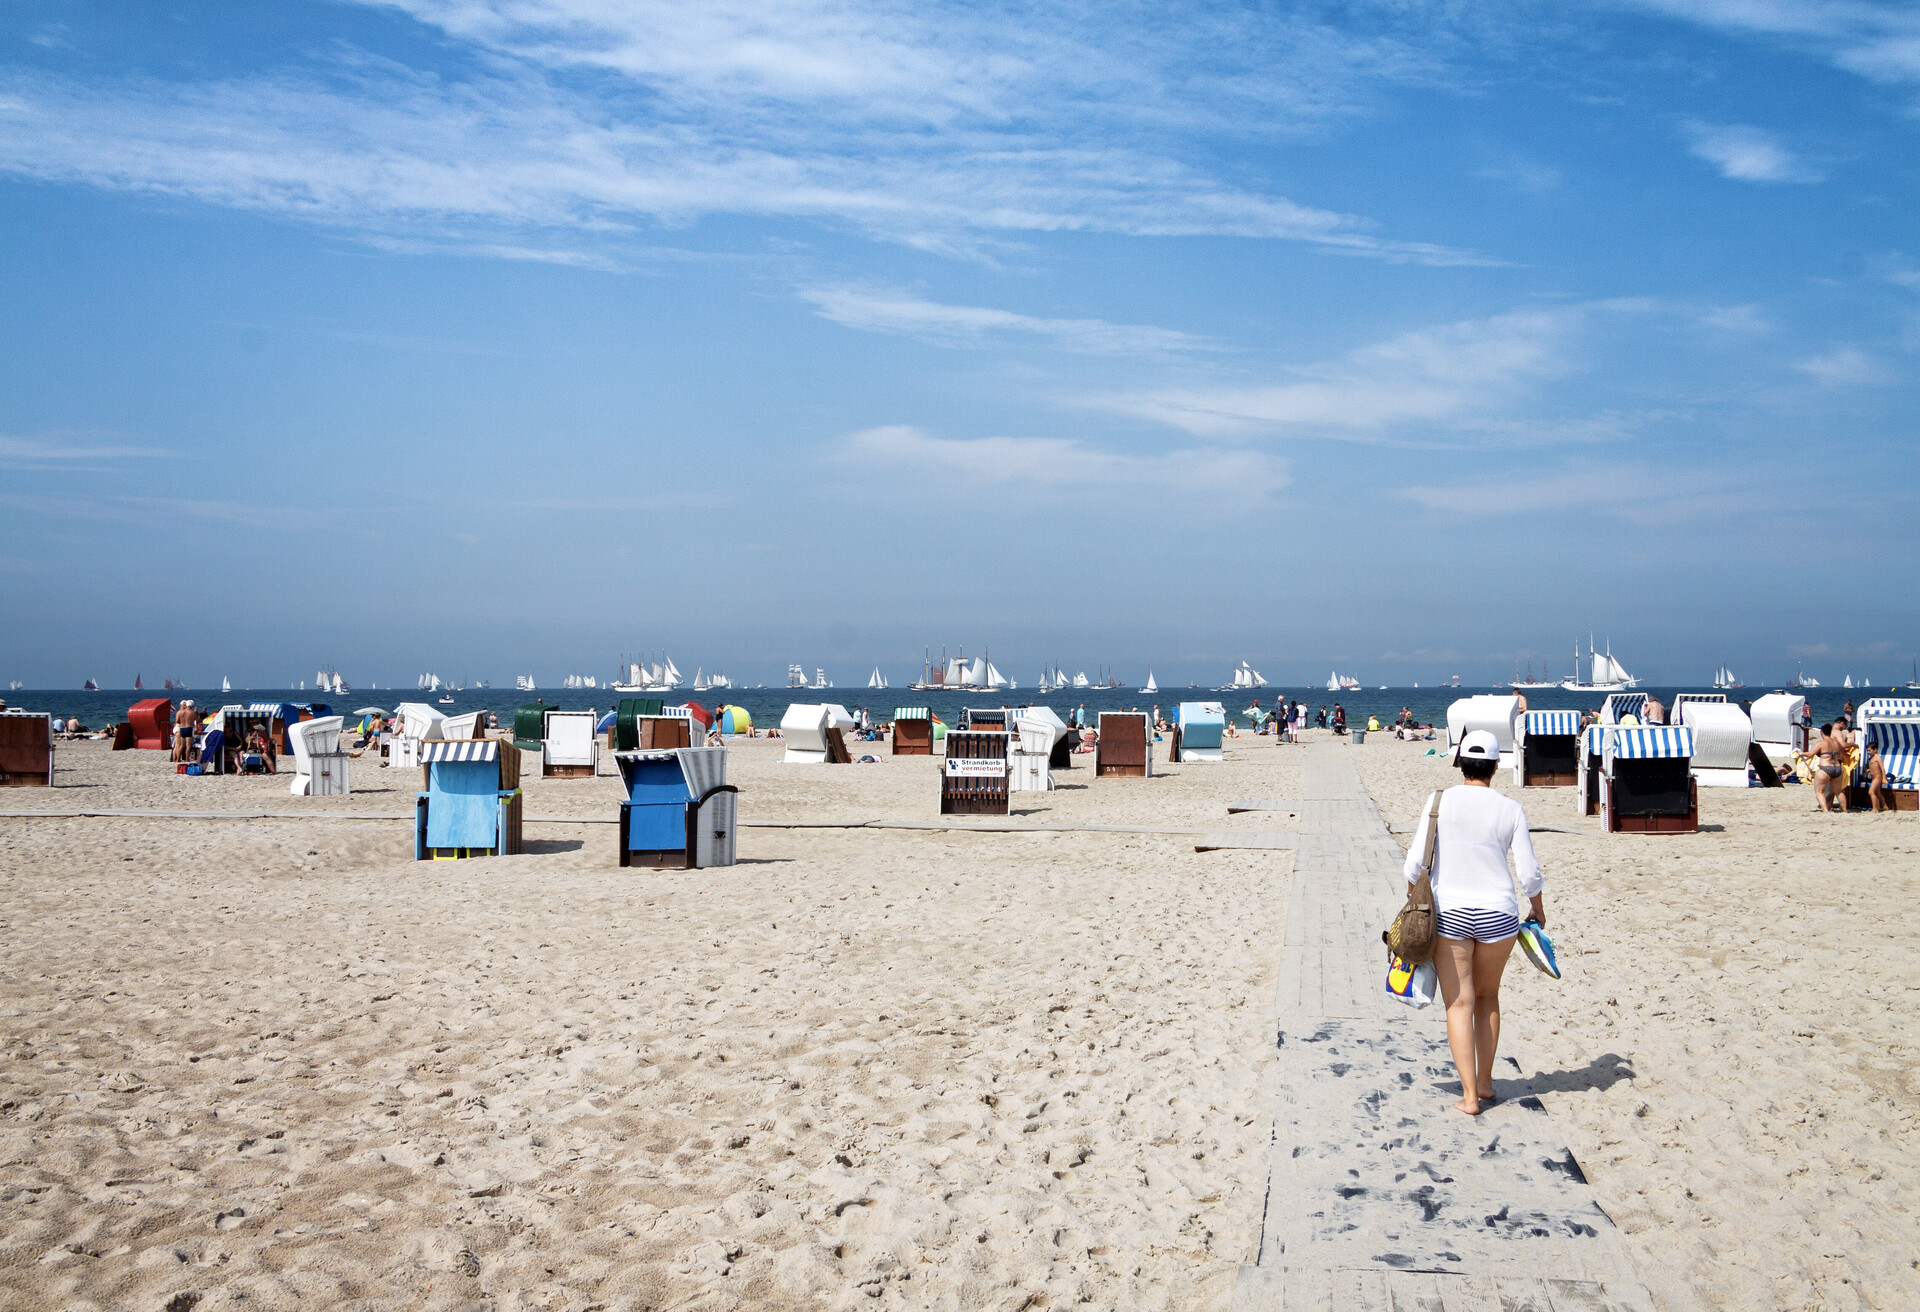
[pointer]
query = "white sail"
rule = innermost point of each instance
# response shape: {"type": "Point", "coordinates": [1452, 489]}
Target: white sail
{"type": "Point", "coordinates": [1080, 680]}
{"type": "Point", "coordinates": [673, 671]}
{"type": "Point", "coordinates": [224, 685]}
{"type": "Point", "coordinates": [994, 678]}
{"type": "Point", "coordinates": [977, 673]}
{"type": "Point", "coordinates": [874, 680]}
{"type": "Point", "coordinates": [1149, 685]}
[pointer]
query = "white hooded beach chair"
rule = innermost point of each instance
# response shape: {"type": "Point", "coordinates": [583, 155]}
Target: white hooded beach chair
{"type": "Point", "coordinates": [1722, 739]}
{"type": "Point", "coordinates": [1777, 727]}
{"type": "Point", "coordinates": [319, 766]}
{"type": "Point", "coordinates": [414, 723]}
{"type": "Point", "coordinates": [461, 727]}
{"type": "Point", "coordinates": [569, 748]}
{"type": "Point", "coordinates": [1029, 755]}
{"type": "Point", "coordinates": [814, 734]}
{"type": "Point", "coordinates": [1498, 715]}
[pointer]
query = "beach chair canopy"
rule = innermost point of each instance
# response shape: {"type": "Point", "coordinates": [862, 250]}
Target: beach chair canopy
{"type": "Point", "coordinates": [1036, 736]}
{"type": "Point", "coordinates": [841, 717]}
{"type": "Point", "coordinates": [306, 737]}
{"type": "Point", "coordinates": [461, 749]}
{"type": "Point", "coordinates": [804, 726]}
{"type": "Point", "coordinates": [700, 769]}
{"type": "Point", "coordinates": [1619, 705]}
{"type": "Point", "coordinates": [1549, 724]}
{"type": "Point", "coordinates": [912, 713]}
{"type": "Point", "coordinates": [1775, 715]}
{"type": "Point", "coordinates": [1721, 735]}
{"type": "Point", "coordinates": [418, 721]}
{"type": "Point", "coordinates": [1044, 713]}
{"type": "Point", "coordinates": [1498, 715]}
{"type": "Point", "coordinates": [463, 726]}
{"type": "Point", "coordinates": [1201, 724]}
{"type": "Point", "coordinates": [1676, 713]}
{"type": "Point", "coordinates": [1648, 742]}
{"type": "Point", "coordinates": [1885, 708]}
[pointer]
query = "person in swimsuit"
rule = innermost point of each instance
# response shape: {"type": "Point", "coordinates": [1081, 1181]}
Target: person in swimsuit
{"type": "Point", "coordinates": [1479, 914]}
{"type": "Point", "coordinates": [1876, 770]}
{"type": "Point", "coordinates": [1829, 769]}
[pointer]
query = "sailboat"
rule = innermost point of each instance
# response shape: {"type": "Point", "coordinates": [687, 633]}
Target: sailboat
{"type": "Point", "coordinates": [523, 683]}
{"type": "Point", "coordinates": [1546, 679]}
{"type": "Point", "coordinates": [15, 686]}
{"type": "Point", "coordinates": [1914, 682]}
{"type": "Point", "coordinates": [1802, 680]}
{"type": "Point", "coordinates": [1337, 682]}
{"type": "Point", "coordinates": [820, 678]}
{"type": "Point", "coordinates": [1149, 685]}
{"type": "Point", "coordinates": [89, 686]}
{"type": "Point", "coordinates": [796, 677]}
{"type": "Point", "coordinates": [1080, 680]}
{"type": "Point", "coordinates": [1724, 678]}
{"type": "Point", "coordinates": [225, 686]}
{"type": "Point", "coordinates": [137, 685]}
{"type": "Point", "coordinates": [1245, 676]}
{"type": "Point", "coordinates": [876, 679]}
{"type": "Point", "coordinates": [1609, 675]}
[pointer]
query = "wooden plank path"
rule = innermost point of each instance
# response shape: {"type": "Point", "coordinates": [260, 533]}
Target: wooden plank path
{"type": "Point", "coordinates": [1379, 1195]}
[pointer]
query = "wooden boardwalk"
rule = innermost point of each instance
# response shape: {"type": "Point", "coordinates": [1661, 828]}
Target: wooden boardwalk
{"type": "Point", "coordinates": [1379, 1194]}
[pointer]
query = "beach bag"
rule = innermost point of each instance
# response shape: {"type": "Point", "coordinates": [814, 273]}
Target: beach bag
{"type": "Point", "coordinates": [1411, 984]}
{"type": "Point", "coordinates": [1412, 934]}
{"type": "Point", "coordinates": [1539, 949]}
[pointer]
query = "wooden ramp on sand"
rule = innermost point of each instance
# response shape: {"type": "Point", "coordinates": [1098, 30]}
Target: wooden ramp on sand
{"type": "Point", "coordinates": [1379, 1195]}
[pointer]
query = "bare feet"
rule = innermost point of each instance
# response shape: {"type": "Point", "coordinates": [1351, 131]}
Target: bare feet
{"type": "Point", "coordinates": [1488, 1095]}
{"type": "Point", "coordinates": [1471, 1106]}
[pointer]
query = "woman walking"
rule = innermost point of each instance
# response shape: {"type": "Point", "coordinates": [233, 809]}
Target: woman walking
{"type": "Point", "coordinates": [1479, 916]}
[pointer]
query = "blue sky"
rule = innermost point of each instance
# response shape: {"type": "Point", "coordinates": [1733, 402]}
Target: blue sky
{"type": "Point", "coordinates": [497, 335]}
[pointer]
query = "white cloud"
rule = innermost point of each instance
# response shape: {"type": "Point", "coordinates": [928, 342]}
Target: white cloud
{"type": "Point", "coordinates": [574, 121]}
{"type": "Point", "coordinates": [876, 310]}
{"type": "Point", "coordinates": [1843, 366]}
{"type": "Point", "coordinates": [1462, 375]}
{"type": "Point", "coordinates": [1059, 464]}
{"type": "Point", "coordinates": [1876, 40]}
{"type": "Point", "coordinates": [1636, 494]}
{"type": "Point", "coordinates": [27, 452]}
{"type": "Point", "coordinates": [1746, 320]}
{"type": "Point", "coordinates": [1746, 154]}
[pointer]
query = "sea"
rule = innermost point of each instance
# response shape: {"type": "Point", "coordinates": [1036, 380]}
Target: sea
{"type": "Point", "coordinates": [767, 705]}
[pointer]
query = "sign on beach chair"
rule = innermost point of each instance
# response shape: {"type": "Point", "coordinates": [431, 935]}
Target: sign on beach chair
{"type": "Point", "coordinates": [1646, 781]}
{"type": "Point", "coordinates": [912, 731]}
{"type": "Point", "coordinates": [973, 779]}
{"type": "Point", "coordinates": [1722, 741]}
{"type": "Point", "coordinates": [1198, 728]}
{"type": "Point", "coordinates": [473, 803]}
{"type": "Point", "coordinates": [1124, 748]}
{"type": "Point", "coordinates": [26, 749]}
{"type": "Point", "coordinates": [569, 748]}
{"type": "Point", "coordinates": [1548, 755]}
{"type": "Point", "coordinates": [680, 810]}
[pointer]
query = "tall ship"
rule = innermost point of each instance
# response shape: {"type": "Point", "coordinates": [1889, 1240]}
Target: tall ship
{"type": "Point", "coordinates": [1609, 675]}
{"type": "Point", "coordinates": [1724, 678]}
{"type": "Point", "coordinates": [1244, 676]}
{"type": "Point", "coordinates": [647, 676]}
{"type": "Point", "coordinates": [959, 673]}
{"type": "Point", "coordinates": [1337, 682]}
{"type": "Point", "coordinates": [796, 677]}
{"type": "Point", "coordinates": [1546, 679]}
{"type": "Point", "coordinates": [1801, 679]}
{"type": "Point", "coordinates": [820, 681]}
{"type": "Point", "coordinates": [523, 683]}
{"type": "Point", "coordinates": [876, 679]}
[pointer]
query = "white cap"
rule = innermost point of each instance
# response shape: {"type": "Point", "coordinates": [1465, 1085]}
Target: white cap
{"type": "Point", "coordinates": [1479, 745]}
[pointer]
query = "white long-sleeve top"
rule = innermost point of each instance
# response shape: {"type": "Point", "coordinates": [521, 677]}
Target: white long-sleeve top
{"type": "Point", "coordinates": [1478, 827]}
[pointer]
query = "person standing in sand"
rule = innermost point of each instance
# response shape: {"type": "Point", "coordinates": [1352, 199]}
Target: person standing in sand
{"type": "Point", "coordinates": [1478, 913]}
{"type": "Point", "coordinates": [1829, 770]}
{"type": "Point", "coordinates": [1876, 772]}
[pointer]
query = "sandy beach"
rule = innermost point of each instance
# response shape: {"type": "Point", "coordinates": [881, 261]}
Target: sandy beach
{"type": "Point", "coordinates": [278, 1062]}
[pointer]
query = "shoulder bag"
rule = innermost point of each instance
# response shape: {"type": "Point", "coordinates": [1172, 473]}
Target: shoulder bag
{"type": "Point", "coordinates": [1412, 934]}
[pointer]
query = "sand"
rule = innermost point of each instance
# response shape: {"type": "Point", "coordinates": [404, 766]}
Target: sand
{"type": "Point", "coordinates": [1733, 1045]}
{"type": "Point", "coordinates": [278, 1062]}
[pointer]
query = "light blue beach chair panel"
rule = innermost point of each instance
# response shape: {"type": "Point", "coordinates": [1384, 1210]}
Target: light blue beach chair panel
{"type": "Point", "coordinates": [1201, 725]}
{"type": "Point", "coordinates": [463, 803]}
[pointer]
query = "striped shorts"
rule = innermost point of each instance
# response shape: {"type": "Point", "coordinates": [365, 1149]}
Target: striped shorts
{"type": "Point", "coordinates": [1480, 926]}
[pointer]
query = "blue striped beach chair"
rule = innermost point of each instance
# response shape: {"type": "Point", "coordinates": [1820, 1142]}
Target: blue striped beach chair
{"type": "Point", "coordinates": [1646, 781]}
{"type": "Point", "coordinates": [1549, 755]}
{"type": "Point", "coordinates": [472, 806]}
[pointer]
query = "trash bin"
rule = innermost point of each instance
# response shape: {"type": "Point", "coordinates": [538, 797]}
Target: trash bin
{"type": "Point", "coordinates": [1359, 735]}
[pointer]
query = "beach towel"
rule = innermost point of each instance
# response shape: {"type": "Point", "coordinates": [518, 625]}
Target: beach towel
{"type": "Point", "coordinates": [1539, 949]}
{"type": "Point", "coordinates": [1413, 985]}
